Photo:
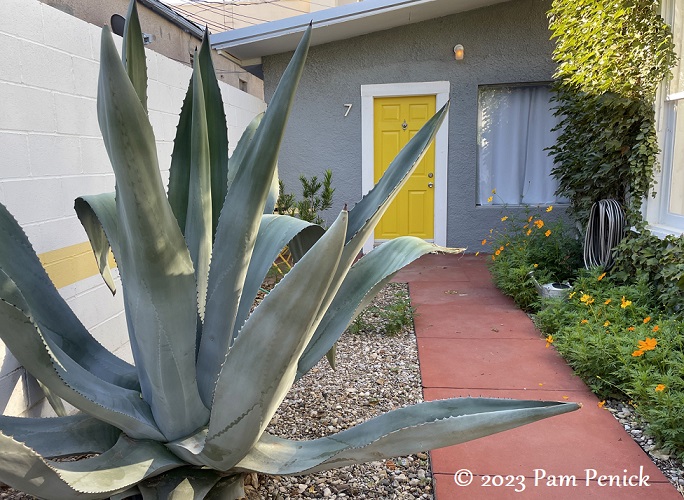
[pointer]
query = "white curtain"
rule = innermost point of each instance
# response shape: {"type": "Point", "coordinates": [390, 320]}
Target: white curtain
{"type": "Point", "coordinates": [514, 128]}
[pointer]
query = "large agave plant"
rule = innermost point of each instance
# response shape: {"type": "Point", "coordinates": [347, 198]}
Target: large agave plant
{"type": "Point", "coordinates": [189, 419]}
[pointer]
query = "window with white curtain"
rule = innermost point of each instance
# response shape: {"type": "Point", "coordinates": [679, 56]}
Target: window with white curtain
{"type": "Point", "coordinates": [514, 130]}
{"type": "Point", "coordinates": [665, 212]}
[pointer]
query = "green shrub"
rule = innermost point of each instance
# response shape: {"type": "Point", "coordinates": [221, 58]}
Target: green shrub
{"type": "Point", "coordinates": [643, 256]}
{"type": "Point", "coordinates": [550, 250]}
{"type": "Point", "coordinates": [617, 340]}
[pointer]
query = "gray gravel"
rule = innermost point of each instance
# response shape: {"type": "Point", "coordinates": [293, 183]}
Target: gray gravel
{"type": "Point", "coordinates": [375, 373]}
{"type": "Point", "coordinates": [635, 427]}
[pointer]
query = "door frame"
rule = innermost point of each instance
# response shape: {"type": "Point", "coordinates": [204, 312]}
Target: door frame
{"type": "Point", "coordinates": [441, 92]}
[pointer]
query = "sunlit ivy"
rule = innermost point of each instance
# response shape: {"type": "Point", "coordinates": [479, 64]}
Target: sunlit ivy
{"type": "Point", "coordinates": [611, 57]}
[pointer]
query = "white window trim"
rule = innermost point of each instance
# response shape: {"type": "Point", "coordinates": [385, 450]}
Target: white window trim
{"type": "Point", "coordinates": [441, 92]}
{"type": "Point", "coordinates": [655, 209]}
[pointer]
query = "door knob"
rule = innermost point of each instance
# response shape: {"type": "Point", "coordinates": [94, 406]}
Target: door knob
{"type": "Point", "coordinates": [431, 185]}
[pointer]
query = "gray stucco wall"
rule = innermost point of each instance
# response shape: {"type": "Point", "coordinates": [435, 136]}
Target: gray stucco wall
{"type": "Point", "coordinates": [505, 43]}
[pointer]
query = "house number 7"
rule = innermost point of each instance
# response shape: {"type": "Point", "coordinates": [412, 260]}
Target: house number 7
{"type": "Point", "coordinates": [348, 106]}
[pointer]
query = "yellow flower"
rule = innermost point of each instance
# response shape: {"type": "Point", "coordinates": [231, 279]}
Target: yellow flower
{"type": "Point", "coordinates": [566, 397]}
{"type": "Point", "coordinates": [656, 328]}
{"type": "Point", "coordinates": [647, 319]}
{"type": "Point", "coordinates": [539, 223]}
{"type": "Point", "coordinates": [584, 321]}
{"type": "Point", "coordinates": [489, 200]}
{"type": "Point", "coordinates": [498, 252]}
{"type": "Point", "coordinates": [631, 329]}
{"type": "Point", "coordinates": [505, 217]}
{"type": "Point", "coordinates": [494, 191]}
{"type": "Point", "coordinates": [601, 404]}
{"type": "Point", "coordinates": [587, 299]}
{"type": "Point", "coordinates": [660, 387]}
{"type": "Point", "coordinates": [572, 294]}
{"type": "Point", "coordinates": [530, 219]}
{"type": "Point", "coordinates": [648, 344]}
{"type": "Point", "coordinates": [484, 242]}
{"type": "Point", "coordinates": [529, 231]}
{"type": "Point", "coordinates": [636, 354]}
{"type": "Point", "coordinates": [536, 265]}
{"type": "Point", "coordinates": [493, 258]}
{"type": "Point", "coordinates": [501, 248]}
{"type": "Point", "coordinates": [601, 277]}
{"type": "Point", "coordinates": [608, 301]}
{"type": "Point", "coordinates": [607, 323]}
{"type": "Point", "coordinates": [549, 340]}
{"type": "Point", "coordinates": [549, 208]}
{"type": "Point", "coordinates": [477, 253]}
{"type": "Point", "coordinates": [547, 233]}
{"type": "Point", "coordinates": [625, 303]}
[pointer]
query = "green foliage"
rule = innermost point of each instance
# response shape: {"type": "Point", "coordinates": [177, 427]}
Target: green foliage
{"type": "Point", "coordinates": [389, 319]}
{"type": "Point", "coordinates": [659, 262]}
{"type": "Point", "coordinates": [529, 245]}
{"type": "Point", "coordinates": [617, 340]}
{"type": "Point", "coordinates": [611, 58]}
{"type": "Point", "coordinates": [313, 199]}
{"type": "Point", "coordinates": [189, 418]}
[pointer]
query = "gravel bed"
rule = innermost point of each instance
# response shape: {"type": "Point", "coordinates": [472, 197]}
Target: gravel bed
{"type": "Point", "coordinates": [375, 373]}
{"type": "Point", "coordinates": [671, 467]}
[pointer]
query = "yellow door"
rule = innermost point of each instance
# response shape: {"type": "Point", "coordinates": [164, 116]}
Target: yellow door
{"type": "Point", "coordinates": [397, 119]}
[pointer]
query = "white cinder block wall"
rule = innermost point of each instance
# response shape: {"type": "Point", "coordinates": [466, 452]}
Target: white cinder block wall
{"type": "Point", "coordinates": [51, 151]}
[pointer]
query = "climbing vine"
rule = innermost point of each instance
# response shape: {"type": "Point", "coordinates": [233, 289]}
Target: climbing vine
{"type": "Point", "coordinates": [611, 57]}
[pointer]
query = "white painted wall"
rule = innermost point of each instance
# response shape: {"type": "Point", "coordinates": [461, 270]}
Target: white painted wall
{"type": "Point", "coordinates": [51, 151]}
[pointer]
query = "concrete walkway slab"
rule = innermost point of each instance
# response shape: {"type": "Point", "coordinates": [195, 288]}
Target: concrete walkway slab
{"type": "Point", "coordinates": [474, 341]}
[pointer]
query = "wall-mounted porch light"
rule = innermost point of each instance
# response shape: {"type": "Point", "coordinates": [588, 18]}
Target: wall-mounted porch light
{"type": "Point", "coordinates": [458, 52]}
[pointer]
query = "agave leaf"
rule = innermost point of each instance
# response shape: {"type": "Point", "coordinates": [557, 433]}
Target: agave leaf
{"type": "Point", "coordinates": [43, 359]}
{"type": "Point", "coordinates": [217, 131]}
{"type": "Point", "coordinates": [364, 281]}
{"type": "Point", "coordinates": [125, 464]}
{"type": "Point", "coordinates": [133, 53]}
{"type": "Point", "coordinates": [154, 262]}
{"type": "Point", "coordinates": [425, 426]}
{"type": "Point", "coordinates": [242, 147]}
{"type": "Point", "coordinates": [239, 224]}
{"type": "Point", "coordinates": [190, 483]}
{"type": "Point", "coordinates": [179, 171]}
{"type": "Point", "coordinates": [275, 232]}
{"type": "Point", "coordinates": [55, 401]}
{"type": "Point", "coordinates": [261, 365]}
{"type": "Point", "coordinates": [213, 119]}
{"type": "Point", "coordinates": [62, 436]}
{"type": "Point", "coordinates": [367, 213]}
{"type": "Point", "coordinates": [98, 217]}
{"type": "Point", "coordinates": [29, 284]}
{"type": "Point", "coordinates": [198, 225]}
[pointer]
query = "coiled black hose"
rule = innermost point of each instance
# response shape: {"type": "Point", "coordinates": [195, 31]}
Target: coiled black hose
{"type": "Point", "coordinates": [605, 229]}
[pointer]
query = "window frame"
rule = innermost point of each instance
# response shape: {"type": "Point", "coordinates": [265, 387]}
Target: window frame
{"type": "Point", "coordinates": [661, 221]}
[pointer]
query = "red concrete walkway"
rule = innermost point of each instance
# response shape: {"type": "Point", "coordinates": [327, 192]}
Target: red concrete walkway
{"type": "Point", "coordinates": [474, 341]}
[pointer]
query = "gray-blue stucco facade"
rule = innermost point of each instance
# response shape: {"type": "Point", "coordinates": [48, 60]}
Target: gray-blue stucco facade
{"type": "Point", "coordinates": [504, 43]}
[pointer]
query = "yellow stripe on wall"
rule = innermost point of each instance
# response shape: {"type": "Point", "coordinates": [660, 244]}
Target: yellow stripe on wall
{"type": "Point", "coordinates": [71, 264]}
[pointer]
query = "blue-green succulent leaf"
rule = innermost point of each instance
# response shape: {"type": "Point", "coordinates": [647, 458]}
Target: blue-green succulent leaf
{"type": "Point", "coordinates": [154, 262]}
{"type": "Point", "coordinates": [275, 232]}
{"type": "Point", "coordinates": [133, 53]}
{"type": "Point", "coordinates": [179, 171]}
{"type": "Point", "coordinates": [239, 224]}
{"type": "Point", "coordinates": [78, 434]}
{"type": "Point", "coordinates": [125, 464]}
{"type": "Point", "coordinates": [261, 364]}
{"type": "Point", "coordinates": [46, 361]}
{"type": "Point", "coordinates": [29, 284]}
{"type": "Point", "coordinates": [425, 426]}
{"type": "Point", "coordinates": [98, 217]}
{"type": "Point", "coordinates": [364, 280]}
{"type": "Point", "coordinates": [198, 224]}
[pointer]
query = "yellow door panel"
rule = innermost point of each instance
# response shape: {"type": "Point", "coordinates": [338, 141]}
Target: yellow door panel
{"type": "Point", "coordinates": [397, 120]}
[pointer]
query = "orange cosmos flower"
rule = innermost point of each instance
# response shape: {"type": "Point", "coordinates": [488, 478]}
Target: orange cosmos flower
{"type": "Point", "coordinates": [547, 233]}
{"type": "Point", "coordinates": [608, 301]}
{"type": "Point", "coordinates": [601, 277]}
{"type": "Point", "coordinates": [549, 208]}
{"type": "Point", "coordinates": [549, 340]}
{"type": "Point", "coordinates": [648, 344]}
{"type": "Point", "coordinates": [660, 387]}
{"type": "Point", "coordinates": [637, 353]}
{"type": "Point", "coordinates": [656, 328]}
{"type": "Point", "coordinates": [647, 319]}
{"type": "Point", "coordinates": [504, 218]}
{"type": "Point", "coordinates": [601, 404]}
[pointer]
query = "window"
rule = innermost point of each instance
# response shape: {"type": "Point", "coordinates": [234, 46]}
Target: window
{"type": "Point", "coordinates": [666, 212]}
{"type": "Point", "coordinates": [514, 129]}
